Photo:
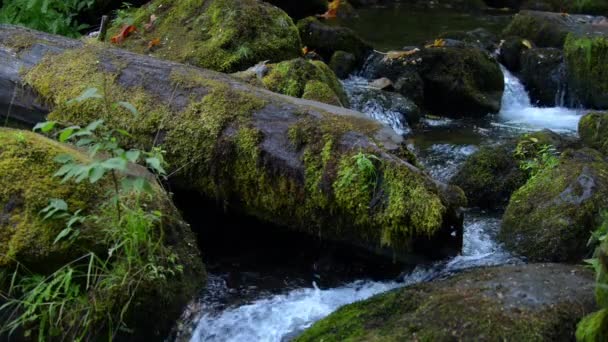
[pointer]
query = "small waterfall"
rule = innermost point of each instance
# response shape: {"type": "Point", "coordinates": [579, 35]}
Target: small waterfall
{"type": "Point", "coordinates": [280, 317]}
{"type": "Point", "coordinates": [518, 112]}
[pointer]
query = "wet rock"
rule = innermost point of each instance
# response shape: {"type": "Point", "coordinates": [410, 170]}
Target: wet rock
{"type": "Point", "coordinates": [311, 80]}
{"type": "Point", "coordinates": [546, 29]}
{"type": "Point", "coordinates": [386, 106]}
{"type": "Point", "coordinates": [492, 174]}
{"type": "Point", "coordinates": [343, 63]}
{"type": "Point", "coordinates": [586, 58]}
{"type": "Point", "coordinates": [551, 217]}
{"type": "Point", "coordinates": [30, 240]}
{"type": "Point", "coordinates": [457, 82]}
{"type": "Point", "coordinates": [510, 53]}
{"type": "Point", "coordinates": [512, 303]}
{"type": "Point", "coordinates": [382, 84]}
{"type": "Point", "coordinates": [543, 73]}
{"type": "Point", "coordinates": [326, 40]}
{"type": "Point", "coordinates": [480, 38]}
{"type": "Point", "coordinates": [223, 35]}
{"type": "Point", "coordinates": [298, 9]}
{"type": "Point", "coordinates": [567, 6]}
{"type": "Point", "coordinates": [285, 161]}
{"type": "Point", "coordinates": [593, 130]}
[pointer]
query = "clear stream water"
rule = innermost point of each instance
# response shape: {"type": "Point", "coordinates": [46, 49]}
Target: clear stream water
{"type": "Point", "coordinates": [283, 312]}
{"type": "Point", "coordinates": [275, 303]}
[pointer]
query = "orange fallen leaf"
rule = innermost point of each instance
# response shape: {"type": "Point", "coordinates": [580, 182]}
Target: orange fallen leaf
{"type": "Point", "coordinates": [304, 50]}
{"type": "Point", "coordinates": [124, 33]}
{"type": "Point", "coordinates": [332, 10]}
{"type": "Point", "coordinates": [154, 42]}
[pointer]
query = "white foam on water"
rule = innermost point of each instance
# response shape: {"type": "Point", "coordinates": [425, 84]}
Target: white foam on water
{"type": "Point", "coordinates": [280, 317]}
{"type": "Point", "coordinates": [518, 112]}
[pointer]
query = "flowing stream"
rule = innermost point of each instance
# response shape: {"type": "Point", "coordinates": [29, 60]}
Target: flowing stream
{"type": "Point", "coordinates": [281, 314]}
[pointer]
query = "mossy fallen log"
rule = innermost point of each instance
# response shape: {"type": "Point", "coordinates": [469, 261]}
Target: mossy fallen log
{"type": "Point", "coordinates": [304, 165]}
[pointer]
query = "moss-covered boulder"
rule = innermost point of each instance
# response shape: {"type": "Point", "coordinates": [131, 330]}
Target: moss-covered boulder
{"type": "Point", "coordinates": [326, 40]}
{"type": "Point", "coordinates": [551, 217]}
{"type": "Point", "coordinates": [492, 174]}
{"type": "Point", "coordinates": [586, 58]}
{"type": "Point", "coordinates": [223, 35]}
{"type": "Point", "coordinates": [542, 28]}
{"type": "Point", "coordinates": [543, 73]}
{"type": "Point", "coordinates": [456, 81]}
{"type": "Point", "coordinates": [537, 302]}
{"type": "Point", "coordinates": [343, 63]}
{"type": "Point", "coordinates": [303, 165]}
{"type": "Point", "coordinates": [593, 130]}
{"type": "Point", "coordinates": [27, 164]}
{"type": "Point", "coordinates": [310, 80]}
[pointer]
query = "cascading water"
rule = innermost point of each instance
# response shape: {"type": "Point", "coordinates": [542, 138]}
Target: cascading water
{"type": "Point", "coordinates": [518, 112]}
{"type": "Point", "coordinates": [280, 317]}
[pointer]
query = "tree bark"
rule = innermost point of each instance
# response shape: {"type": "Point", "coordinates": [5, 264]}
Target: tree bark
{"type": "Point", "coordinates": [281, 194]}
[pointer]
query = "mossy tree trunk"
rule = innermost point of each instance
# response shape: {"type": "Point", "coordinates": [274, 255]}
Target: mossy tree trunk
{"type": "Point", "coordinates": [304, 165]}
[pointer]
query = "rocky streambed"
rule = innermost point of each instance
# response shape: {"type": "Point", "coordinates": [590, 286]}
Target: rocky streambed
{"type": "Point", "coordinates": [439, 180]}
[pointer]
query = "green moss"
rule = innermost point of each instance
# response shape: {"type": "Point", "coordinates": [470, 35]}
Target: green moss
{"type": "Point", "coordinates": [586, 58]}
{"type": "Point", "coordinates": [223, 35]}
{"type": "Point", "coordinates": [300, 78]}
{"type": "Point", "coordinates": [542, 31]}
{"type": "Point", "coordinates": [27, 184]}
{"type": "Point", "coordinates": [593, 130]}
{"type": "Point", "coordinates": [551, 216]}
{"type": "Point", "coordinates": [321, 92]}
{"type": "Point", "coordinates": [457, 309]}
{"type": "Point", "coordinates": [593, 327]}
{"type": "Point", "coordinates": [213, 141]}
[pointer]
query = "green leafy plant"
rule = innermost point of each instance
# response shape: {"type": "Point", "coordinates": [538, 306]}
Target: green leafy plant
{"type": "Point", "coordinates": [71, 301]}
{"type": "Point", "coordinates": [594, 327]}
{"type": "Point", "coordinates": [535, 157]}
{"type": "Point", "coordinates": [58, 17]}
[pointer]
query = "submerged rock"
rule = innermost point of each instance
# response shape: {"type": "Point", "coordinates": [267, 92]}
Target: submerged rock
{"type": "Point", "coordinates": [27, 164]}
{"type": "Point", "coordinates": [389, 107]}
{"type": "Point", "coordinates": [537, 302]}
{"type": "Point", "coordinates": [552, 216]}
{"type": "Point", "coordinates": [223, 35]}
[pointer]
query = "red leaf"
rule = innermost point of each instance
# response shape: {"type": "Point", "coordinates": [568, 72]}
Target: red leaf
{"type": "Point", "coordinates": [124, 33]}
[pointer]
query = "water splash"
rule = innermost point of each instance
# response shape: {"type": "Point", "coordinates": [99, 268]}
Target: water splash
{"type": "Point", "coordinates": [283, 316]}
{"type": "Point", "coordinates": [518, 112]}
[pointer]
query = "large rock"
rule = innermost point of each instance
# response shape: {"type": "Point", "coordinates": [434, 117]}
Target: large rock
{"type": "Point", "coordinates": [593, 130]}
{"type": "Point", "coordinates": [537, 302]}
{"type": "Point", "coordinates": [543, 73]}
{"type": "Point", "coordinates": [299, 164]}
{"type": "Point", "coordinates": [547, 29]}
{"type": "Point", "coordinates": [223, 35]}
{"type": "Point", "coordinates": [586, 57]}
{"type": "Point", "coordinates": [326, 40]}
{"type": "Point", "coordinates": [299, 9]}
{"type": "Point", "coordinates": [568, 6]}
{"type": "Point", "coordinates": [510, 52]}
{"type": "Point", "coordinates": [492, 174]}
{"type": "Point", "coordinates": [27, 184]}
{"type": "Point", "coordinates": [552, 216]}
{"type": "Point", "coordinates": [457, 81]}
{"type": "Point", "coordinates": [311, 80]}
